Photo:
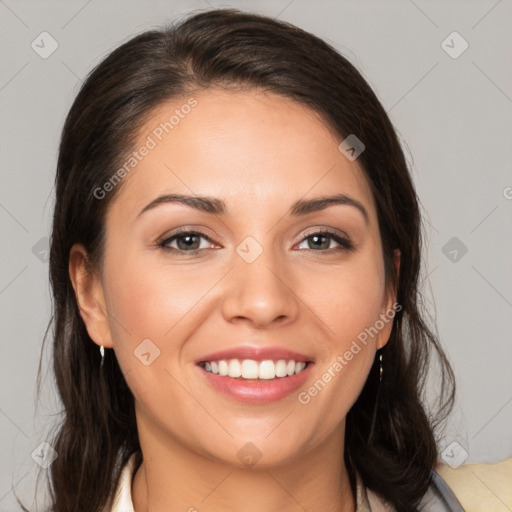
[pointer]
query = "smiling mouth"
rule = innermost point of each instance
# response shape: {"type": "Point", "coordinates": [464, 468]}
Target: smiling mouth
{"type": "Point", "coordinates": [250, 369]}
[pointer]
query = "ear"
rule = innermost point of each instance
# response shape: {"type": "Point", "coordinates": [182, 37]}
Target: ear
{"type": "Point", "coordinates": [89, 296]}
{"type": "Point", "coordinates": [389, 308]}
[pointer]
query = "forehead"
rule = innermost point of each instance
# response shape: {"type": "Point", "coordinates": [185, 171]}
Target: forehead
{"type": "Point", "coordinates": [261, 148]}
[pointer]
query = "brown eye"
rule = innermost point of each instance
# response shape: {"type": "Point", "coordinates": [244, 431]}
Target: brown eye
{"type": "Point", "coordinates": [321, 240]}
{"type": "Point", "coordinates": [186, 241]}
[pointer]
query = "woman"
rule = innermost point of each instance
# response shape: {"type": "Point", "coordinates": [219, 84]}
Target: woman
{"type": "Point", "coordinates": [234, 260]}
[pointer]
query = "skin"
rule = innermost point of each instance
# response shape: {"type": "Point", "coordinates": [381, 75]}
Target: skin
{"type": "Point", "coordinates": [259, 153]}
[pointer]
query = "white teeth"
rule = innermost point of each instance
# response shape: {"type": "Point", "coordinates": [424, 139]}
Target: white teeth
{"type": "Point", "coordinates": [234, 368]}
{"type": "Point", "coordinates": [251, 369]}
{"type": "Point", "coordinates": [222, 368]}
{"type": "Point", "coordinates": [267, 370]}
{"type": "Point", "coordinates": [281, 368]}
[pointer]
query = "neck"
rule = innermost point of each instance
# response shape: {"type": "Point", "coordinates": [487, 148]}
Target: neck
{"type": "Point", "coordinates": [174, 477]}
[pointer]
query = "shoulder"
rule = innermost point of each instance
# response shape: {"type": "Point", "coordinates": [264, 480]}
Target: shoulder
{"type": "Point", "coordinates": [481, 486]}
{"type": "Point", "coordinates": [438, 498]}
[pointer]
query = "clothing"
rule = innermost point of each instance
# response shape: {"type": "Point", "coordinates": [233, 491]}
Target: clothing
{"type": "Point", "coordinates": [439, 497]}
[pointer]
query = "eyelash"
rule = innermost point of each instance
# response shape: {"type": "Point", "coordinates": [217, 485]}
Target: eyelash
{"type": "Point", "coordinates": [345, 243]}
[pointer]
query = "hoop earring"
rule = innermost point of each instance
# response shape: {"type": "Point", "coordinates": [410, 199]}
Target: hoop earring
{"type": "Point", "coordinates": [102, 352]}
{"type": "Point", "coordinates": [377, 395]}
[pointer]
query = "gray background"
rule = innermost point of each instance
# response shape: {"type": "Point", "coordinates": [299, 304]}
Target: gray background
{"type": "Point", "coordinates": [453, 115]}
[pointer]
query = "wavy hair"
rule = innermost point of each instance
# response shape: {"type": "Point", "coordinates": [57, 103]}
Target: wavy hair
{"type": "Point", "coordinates": [390, 435]}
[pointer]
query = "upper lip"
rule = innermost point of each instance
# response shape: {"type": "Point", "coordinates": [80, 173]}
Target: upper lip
{"type": "Point", "coordinates": [255, 353]}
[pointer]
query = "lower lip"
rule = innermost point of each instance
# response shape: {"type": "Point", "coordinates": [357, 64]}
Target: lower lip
{"type": "Point", "coordinates": [258, 391]}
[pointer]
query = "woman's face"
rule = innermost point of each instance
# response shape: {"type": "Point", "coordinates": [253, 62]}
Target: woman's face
{"type": "Point", "coordinates": [259, 277]}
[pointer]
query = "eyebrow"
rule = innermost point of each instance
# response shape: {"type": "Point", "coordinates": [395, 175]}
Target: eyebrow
{"type": "Point", "coordinates": [216, 206]}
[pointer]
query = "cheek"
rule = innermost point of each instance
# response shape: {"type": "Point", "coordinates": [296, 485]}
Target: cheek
{"type": "Point", "coordinates": [350, 306]}
{"type": "Point", "coordinates": [347, 298]}
{"type": "Point", "coordinates": [149, 322]}
{"type": "Point", "coordinates": [151, 300]}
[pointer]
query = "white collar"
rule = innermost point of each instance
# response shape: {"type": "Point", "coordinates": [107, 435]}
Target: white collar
{"type": "Point", "coordinates": [122, 497]}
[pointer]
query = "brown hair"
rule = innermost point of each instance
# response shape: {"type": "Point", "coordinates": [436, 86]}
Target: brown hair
{"type": "Point", "coordinates": [233, 49]}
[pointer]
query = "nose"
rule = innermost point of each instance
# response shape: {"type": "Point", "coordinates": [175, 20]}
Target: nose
{"type": "Point", "coordinates": [260, 293]}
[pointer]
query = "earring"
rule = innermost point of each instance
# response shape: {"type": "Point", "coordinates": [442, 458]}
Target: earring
{"type": "Point", "coordinates": [377, 396]}
{"type": "Point", "coordinates": [102, 352]}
